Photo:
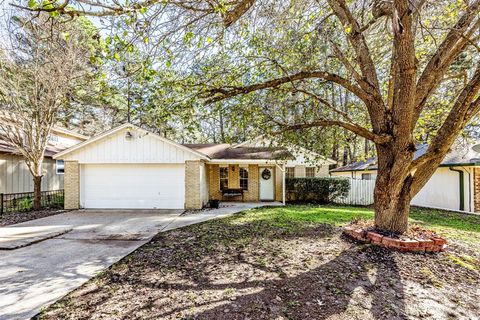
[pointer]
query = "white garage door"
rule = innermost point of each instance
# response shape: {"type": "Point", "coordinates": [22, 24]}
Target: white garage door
{"type": "Point", "coordinates": [133, 186]}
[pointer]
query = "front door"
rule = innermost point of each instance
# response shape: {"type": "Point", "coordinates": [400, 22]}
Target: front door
{"type": "Point", "coordinates": [267, 187]}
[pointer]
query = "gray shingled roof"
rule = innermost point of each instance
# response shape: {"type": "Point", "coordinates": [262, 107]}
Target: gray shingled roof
{"type": "Point", "coordinates": [460, 154]}
{"type": "Point", "coordinates": [226, 151]}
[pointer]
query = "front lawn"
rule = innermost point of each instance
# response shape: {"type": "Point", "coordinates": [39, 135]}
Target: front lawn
{"type": "Point", "coordinates": [286, 263]}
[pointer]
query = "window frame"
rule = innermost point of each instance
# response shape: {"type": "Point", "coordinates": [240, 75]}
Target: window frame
{"type": "Point", "coordinates": [225, 178]}
{"type": "Point", "coordinates": [289, 175]}
{"type": "Point", "coordinates": [366, 176]}
{"type": "Point", "coordinates": [310, 174]}
{"type": "Point", "coordinates": [245, 170]}
{"type": "Point", "coordinates": [58, 166]}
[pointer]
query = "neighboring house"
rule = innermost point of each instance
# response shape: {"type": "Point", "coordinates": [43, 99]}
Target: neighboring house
{"type": "Point", "coordinates": [128, 167]}
{"type": "Point", "coordinates": [14, 174]}
{"type": "Point", "coordinates": [455, 185]}
{"type": "Point", "coordinates": [306, 163]}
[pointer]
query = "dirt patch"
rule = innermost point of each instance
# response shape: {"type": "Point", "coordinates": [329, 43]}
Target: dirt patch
{"type": "Point", "coordinates": [17, 217]}
{"type": "Point", "coordinates": [250, 269]}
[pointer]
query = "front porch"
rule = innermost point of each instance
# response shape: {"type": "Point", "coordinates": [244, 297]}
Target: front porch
{"type": "Point", "coordinates": [247, 182]}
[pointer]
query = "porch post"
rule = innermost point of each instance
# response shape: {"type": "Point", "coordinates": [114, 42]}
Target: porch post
{"type": "Point", "coordinates": [283, 184]}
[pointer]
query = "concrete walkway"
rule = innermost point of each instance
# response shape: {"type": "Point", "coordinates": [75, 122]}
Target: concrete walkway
{"type": "Point", "coordinates": [38, 274]}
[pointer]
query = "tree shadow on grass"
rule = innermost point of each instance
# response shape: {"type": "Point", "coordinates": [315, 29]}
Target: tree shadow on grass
{"type": "Point", "coordinates": [342, 281]}
{"type": "Point", "coordinates": [361, 284]}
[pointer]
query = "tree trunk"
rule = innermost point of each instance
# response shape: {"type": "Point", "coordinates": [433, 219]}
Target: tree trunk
{"type": "Point", "coordinates": [392, 193]}
{"type": "Point", "coordinates": [37, 192]}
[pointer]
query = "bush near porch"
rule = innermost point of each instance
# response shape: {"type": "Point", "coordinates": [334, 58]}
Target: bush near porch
{"type": "Point", "coordinates": [286, 263]}
{"type": "Point", "coordinates": [316, 190]}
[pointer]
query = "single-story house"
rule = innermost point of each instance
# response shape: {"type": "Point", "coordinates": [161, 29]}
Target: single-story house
{"type": "Point", "coordinates": [129, 167]}
{"type": "Point", "coordinates": [14, 174]}
{"type": "Point", "coordinates": [305, 163]}
{"type": "Point", "coordinates": [455, 185]}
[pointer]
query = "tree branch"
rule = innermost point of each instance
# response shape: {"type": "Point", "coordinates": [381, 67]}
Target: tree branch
{"type": "Point", "coordinates": [465, 107]}
{"type": "Point", "coordinates": [448, 50]}
{"type": "Point", "coordinates": [236, 13]}
{"type": "Point", "coordinates": [218, 94]}
{"type": "Point", "coordinates": [359, 130]}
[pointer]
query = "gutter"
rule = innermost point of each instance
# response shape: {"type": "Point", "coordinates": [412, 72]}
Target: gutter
{"type": "Point", "coordinates": [461, 187]}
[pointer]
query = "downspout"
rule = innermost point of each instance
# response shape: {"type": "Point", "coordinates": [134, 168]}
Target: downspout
{"type": "Point", "coordinates": [469, 189]}
{"type": "Point", "coordinates": [461, 188]}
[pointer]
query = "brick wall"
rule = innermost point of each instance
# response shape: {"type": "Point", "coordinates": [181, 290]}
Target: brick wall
{"type": "Point", "coordinates": [193, 198]}
{"type": "Point", "coordinates": [72, 185]}
{"type": "Point", "coordinates": [278, 183]}
{"type": "Point", "coordinates": [233, 181]}
{"type": "Point", "coordinates": [476, 188]}
{"type": "Point", "coordinates": [214, 181]}
{"type": "Point", "coordinates": [253, 191]}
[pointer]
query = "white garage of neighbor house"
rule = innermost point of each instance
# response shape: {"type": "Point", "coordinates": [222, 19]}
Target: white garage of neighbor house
{"type": "Point", "coordinates": [128, 167]}
{"type": "Point", "coordinates": [455, 185]}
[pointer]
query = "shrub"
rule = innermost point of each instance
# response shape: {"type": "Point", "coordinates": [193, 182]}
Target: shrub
{"type": "Point", "coordinates": [25, 204]}
{"type": "Point", "coordinates": [316, 190]}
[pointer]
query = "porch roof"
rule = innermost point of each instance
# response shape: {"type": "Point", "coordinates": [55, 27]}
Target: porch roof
{"type": "Point", "coordinates": [227, 152]}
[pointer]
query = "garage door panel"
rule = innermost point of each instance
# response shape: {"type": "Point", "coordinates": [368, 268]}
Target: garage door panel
{"type": "Point", "coordinates": [133, 186]}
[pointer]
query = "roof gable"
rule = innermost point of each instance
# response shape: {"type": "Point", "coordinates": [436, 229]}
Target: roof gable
{"type": "Point", "coordinates": [129, 144]}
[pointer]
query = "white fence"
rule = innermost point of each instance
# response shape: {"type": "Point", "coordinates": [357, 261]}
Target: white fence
{"type": "Point", "coordinates": [361, 193]}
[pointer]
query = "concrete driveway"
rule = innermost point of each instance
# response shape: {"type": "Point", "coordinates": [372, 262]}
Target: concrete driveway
{"type": "Point", "coordinates": [59, 253]}
{"type": "Point", "coordinates": [81, 243]}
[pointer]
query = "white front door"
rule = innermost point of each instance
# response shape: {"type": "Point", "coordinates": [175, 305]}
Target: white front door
{"type": "Point", "coordinates": [267, 187]}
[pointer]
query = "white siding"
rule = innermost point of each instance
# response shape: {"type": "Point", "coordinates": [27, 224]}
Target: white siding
{"type": "Point", "coordinates": [442, 191]}
{"type": "Point", "coordinates": [141, 148]}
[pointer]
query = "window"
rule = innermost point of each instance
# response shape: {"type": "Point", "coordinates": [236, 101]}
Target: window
{"type": "Point", "coordinates": [60, 167]}
{"type": "Point", "coordinates": [244, 178]}
{"type": "Point", "coordinates": [310, 172]}
{"type": "Point", "coordinates": [366, 176]}
{"type": "Point", "coordinates": [290, 172]}
{"type": "Point", "coordinates": [223, 178]}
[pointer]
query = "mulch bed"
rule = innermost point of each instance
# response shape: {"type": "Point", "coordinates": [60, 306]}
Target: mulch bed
{"type": "Point", "coordinates": [17, 217]}
{"type": "Point", "coordinates": [244, 269]}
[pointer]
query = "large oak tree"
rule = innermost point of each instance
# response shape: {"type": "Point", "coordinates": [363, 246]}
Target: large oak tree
{"type": "Point", "coordinates": [397, 59]}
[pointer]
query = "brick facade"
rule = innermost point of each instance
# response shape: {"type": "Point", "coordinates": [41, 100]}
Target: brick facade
{"type": "Point", "coordinates": [476, 189]}
{"type": "Point", "coordinates": [193, 199]}
{"type": "Point", "coordinates": [71, 180]}
{"type": "Point", "coordinates": [252, 194]}
{"type": "Point", "coordinates": [278, 184]}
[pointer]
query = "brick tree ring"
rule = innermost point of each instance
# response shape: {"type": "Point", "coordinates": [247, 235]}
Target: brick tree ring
{"type": "Point", "coordinates": [266, 174]}
{"type": "Point", "coordinates": [434, 243]}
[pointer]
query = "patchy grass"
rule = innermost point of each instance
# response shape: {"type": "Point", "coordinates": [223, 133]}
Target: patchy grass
{"type": "Point", "coordinates": [285, 263]}
{"type": "Point", "coordinates": [450, 224]}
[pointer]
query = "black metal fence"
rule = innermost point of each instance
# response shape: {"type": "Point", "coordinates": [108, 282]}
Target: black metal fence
{"type": "Point", "coordinates": [23, 201]}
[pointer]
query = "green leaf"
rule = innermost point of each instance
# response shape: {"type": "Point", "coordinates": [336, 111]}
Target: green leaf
{"type": "Point", "coordinates": [116, 56]}
{"type": "Point", "coordinates": [168, 63]}
{"type": "Point", "coordinates": [188, 36]}
{"type": "Point", "coordinates": [32, 4]}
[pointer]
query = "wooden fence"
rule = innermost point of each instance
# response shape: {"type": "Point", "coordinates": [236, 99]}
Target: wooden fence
{"type": "Point", "coordinates": [361, 193]}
